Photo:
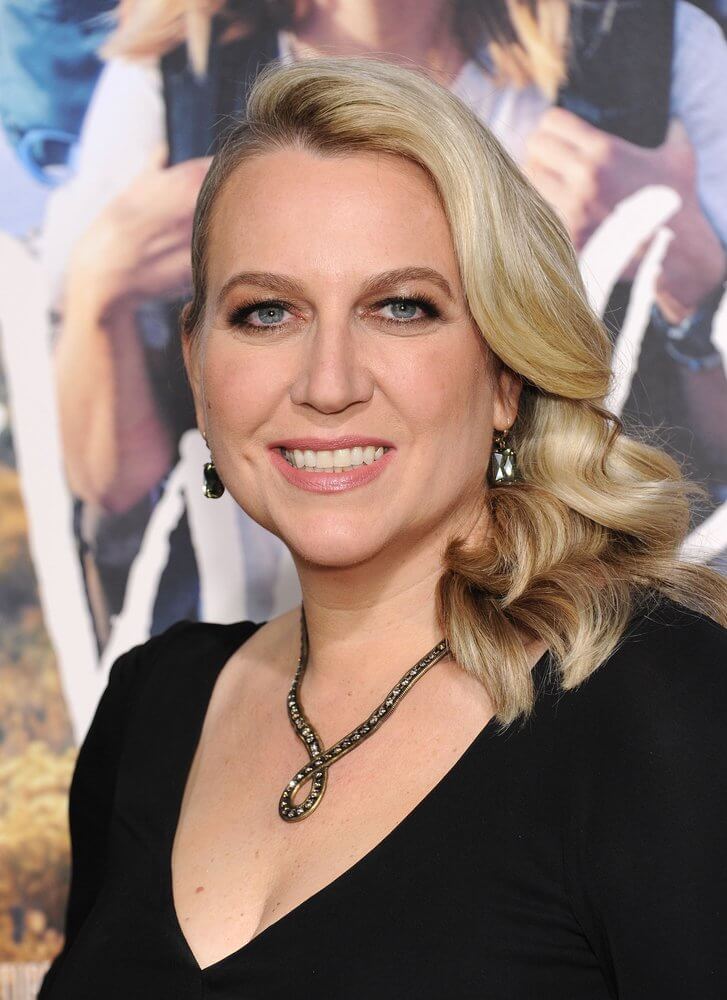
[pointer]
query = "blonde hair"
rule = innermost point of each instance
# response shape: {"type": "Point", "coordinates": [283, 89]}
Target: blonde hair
{"type": "Point", "coordinates": [149, 28]}
{"type": "Point", "coordinates": [592, 532]}
{"type": "Point", "coordinates": [526, 40]}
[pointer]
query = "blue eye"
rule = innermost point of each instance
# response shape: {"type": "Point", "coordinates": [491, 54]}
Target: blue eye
{"type": "Point", "coordinates": [404, 309]}
{"type": "Point", "coordinates": [271, 313]}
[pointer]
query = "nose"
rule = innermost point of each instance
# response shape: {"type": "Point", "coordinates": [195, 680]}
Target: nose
{"type": "Point", "coordinates": [333, 374]}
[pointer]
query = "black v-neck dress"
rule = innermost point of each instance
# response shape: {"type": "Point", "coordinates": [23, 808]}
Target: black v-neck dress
{"type": "Point", "coordinates": [580, 857]}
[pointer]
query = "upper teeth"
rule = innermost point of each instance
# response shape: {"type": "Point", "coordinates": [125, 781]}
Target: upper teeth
{"type": "Point", "coordinates": [333, 461]}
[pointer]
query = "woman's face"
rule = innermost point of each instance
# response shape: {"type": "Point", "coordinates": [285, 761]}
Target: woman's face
{"type": "Point", "coordinates": [335, 311]}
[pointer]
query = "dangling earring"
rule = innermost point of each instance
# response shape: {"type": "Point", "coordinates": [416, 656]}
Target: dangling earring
{"type": "Point", "coordinates": [213, 485]}
{"type": "Point", "coordinates": [503, 464]}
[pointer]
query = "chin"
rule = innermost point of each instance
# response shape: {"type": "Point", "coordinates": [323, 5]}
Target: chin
{"type": "Point", "coordinates": [335, 546]}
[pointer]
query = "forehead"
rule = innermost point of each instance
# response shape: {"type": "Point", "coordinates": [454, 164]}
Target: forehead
{"type": "Point", "coordinates": [296, 211]}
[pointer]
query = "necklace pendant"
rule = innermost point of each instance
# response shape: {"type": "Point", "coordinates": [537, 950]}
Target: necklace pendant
{"type": "Point", "coordinates": [318, 777]}
{"type": "Point", "coordinates": [316, 770]}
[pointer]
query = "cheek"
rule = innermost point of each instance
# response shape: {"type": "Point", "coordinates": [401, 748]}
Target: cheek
{"type": "Point", "coordinates": [445, 394]}
{"type": "Point", "coordinates": [238, 386]}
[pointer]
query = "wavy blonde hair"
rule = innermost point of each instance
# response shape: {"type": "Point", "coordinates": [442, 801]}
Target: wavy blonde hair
{"type": "Point", "coordinates": [592, 531]}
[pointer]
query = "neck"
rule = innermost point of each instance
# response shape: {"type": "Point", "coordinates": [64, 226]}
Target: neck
{"type": "Point", "coordinates": [370, 622]}
{"type": "Point", "coordinates": [411, 31]}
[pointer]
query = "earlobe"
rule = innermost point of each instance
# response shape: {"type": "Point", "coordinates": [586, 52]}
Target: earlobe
{"type": "Point", "coordinates": [507, 398]}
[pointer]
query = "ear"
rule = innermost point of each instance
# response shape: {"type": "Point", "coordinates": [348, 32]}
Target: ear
{"type": "Point", "coordinates": [191, 356]}
{"type": "Point", "coordinates": [507, 388]}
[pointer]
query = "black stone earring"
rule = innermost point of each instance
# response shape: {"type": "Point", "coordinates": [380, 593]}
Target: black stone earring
{"type": "Point", "coordinates": [503, 463]}
{"type": "Point", "coordinates": [213, 485]}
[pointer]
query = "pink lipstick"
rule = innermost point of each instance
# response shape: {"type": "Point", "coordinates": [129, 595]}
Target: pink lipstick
{"type": "Point", "coordinates": [323, 481]}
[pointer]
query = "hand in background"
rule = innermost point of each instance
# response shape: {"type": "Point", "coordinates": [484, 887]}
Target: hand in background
{"type": "Point", "coordinates": [584, 173]}
{"type": "Point", "coordinates": [138, 247]}
{"type": "Point", "coordinates": [116, 442]}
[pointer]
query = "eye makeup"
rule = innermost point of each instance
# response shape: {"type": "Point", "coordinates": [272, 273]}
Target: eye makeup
{"type": "Point", "coordinates": [238, 317]}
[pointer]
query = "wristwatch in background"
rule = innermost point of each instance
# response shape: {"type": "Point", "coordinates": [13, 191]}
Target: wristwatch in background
{"type": "Point", "coordinates": [689, 343]}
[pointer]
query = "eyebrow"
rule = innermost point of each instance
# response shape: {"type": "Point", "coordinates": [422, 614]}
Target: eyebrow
{"type": "Point", "coordinates": [371, 286]}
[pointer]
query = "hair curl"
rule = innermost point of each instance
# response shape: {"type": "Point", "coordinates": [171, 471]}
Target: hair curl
{"type": "Point", "coordinates": [592, 531]}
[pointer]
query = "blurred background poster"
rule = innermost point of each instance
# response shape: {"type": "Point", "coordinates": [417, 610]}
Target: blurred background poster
{"type": "Point", "coordinates": [109, 113]}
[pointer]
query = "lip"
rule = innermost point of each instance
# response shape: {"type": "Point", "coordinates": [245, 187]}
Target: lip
{"type": "Point", "coordinates": [330, 444]}
{"type": "Point", "coordinates": [331, 482]}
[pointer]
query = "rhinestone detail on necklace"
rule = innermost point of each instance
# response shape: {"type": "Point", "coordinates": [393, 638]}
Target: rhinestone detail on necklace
{"type": "Point", "coordinates": [316, 771]}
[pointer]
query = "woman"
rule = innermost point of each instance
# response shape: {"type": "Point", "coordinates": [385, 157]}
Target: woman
{"type": "Point", "coordinates": [506, 60]}
{"type": "Point", "coordinates": [141, 162]}
{"type": "Point", "coordinates": [380, 301]}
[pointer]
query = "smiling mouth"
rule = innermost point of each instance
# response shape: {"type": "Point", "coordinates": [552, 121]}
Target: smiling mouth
{"type": "Point", "coordinates": [340, 460]}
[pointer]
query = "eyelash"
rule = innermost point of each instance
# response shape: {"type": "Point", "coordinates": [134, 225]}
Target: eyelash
{"type": "Point", "coordinates": [238, 316]}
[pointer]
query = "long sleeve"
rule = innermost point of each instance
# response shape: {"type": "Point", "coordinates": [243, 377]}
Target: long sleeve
{"type": "Point", "coordinates": [646, 834]}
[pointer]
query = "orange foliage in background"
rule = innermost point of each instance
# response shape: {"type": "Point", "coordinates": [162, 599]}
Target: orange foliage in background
{"type": "Point", "coordinates": [37, 755]}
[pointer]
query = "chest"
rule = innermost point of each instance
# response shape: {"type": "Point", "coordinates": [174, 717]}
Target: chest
{"type": "Point", "coordinates": [432, 867]}
{"type": "Point", "coordinates": [238, 868]}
